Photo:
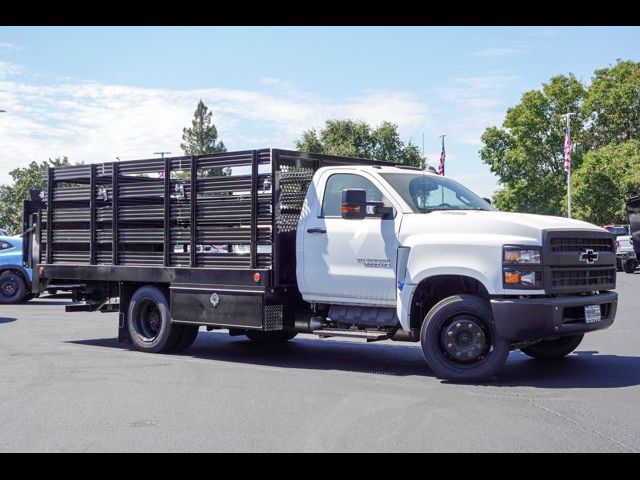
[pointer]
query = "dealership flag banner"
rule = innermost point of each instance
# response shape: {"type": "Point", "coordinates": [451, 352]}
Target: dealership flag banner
{"type": "Point", "coordinates": [567, 151]}
{"type": "Point", "coordinates": [442, 159]}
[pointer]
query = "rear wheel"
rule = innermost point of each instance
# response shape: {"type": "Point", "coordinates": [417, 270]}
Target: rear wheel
{"type": "Point", "coordinates": [12, 287]}
{"type": "Point", "coordinates": [149, 321]}
{"type": "Point", "coordinates": [459, 340]}
{"type": "Point", "coordinates": [270, 338]}
{"type": "Point", "coordinates": [630, 266]}
{"type": "Point", "coordinates": [553, 349]}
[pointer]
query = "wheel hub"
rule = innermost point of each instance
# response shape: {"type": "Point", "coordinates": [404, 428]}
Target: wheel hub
{"type": "Point", "coordinates": [8, 288]}
{"type": "Point", "coordinates": [464, 340]}
{"type": "Point", "coordinates": [149, 321]}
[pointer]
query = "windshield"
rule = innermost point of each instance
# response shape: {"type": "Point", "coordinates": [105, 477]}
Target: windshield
{"type": "Point", "coordinates": [426, 193]}
{"type": "Point", "coordinates": [617, 231]}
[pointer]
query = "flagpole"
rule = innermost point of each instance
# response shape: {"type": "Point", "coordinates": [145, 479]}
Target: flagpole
{"type": "Point", "coordinates": [568, 116]}
{"type": "Point", "coordinates": [441, 160]}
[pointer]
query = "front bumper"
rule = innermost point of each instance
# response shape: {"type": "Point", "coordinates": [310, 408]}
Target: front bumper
{"type": "Point", "coordinates": [522, 319]}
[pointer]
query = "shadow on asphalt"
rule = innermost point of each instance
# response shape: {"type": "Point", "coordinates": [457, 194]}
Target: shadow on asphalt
{"type": "Point", "coordinates": [583, 369]}
{"type": "Point", "coordinates": [7, 320]}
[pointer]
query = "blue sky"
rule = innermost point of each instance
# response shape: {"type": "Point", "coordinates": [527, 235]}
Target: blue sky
{"type": "Point", "coordinates": [94, 93]}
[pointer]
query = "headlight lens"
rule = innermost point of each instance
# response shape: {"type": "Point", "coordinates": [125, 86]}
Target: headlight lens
{"type": "Point", "coordinates": [518, 279]}
{"type": "Point", "coordinates": [522, 267]}
{"type": "Point", "coordinates": [521, 256]}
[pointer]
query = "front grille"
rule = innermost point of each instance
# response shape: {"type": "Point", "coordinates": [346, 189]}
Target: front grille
{"type": "Point", "coordinates": [578, 261]}
{"type": "Point", "coordinates": [577, 244]}
{"type": "Point", "coordinates": [582, 277]}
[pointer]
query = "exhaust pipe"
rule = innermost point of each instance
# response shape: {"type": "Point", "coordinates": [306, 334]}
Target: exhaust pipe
{"type": "Point", "coordinates": [309, 324]}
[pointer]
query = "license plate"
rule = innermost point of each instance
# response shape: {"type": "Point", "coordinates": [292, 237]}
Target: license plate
{"type": "Point", "coordinates": [592, 313]}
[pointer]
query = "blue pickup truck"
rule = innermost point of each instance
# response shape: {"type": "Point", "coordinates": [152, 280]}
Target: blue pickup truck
{"type": "Point", "coordinates": [15, 278]}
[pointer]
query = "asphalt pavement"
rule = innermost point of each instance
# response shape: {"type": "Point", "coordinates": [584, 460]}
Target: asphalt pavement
{"type": "Point", "coordinates": [67, 385]}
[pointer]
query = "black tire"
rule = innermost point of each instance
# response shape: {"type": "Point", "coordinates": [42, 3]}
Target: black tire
{"type": "Point", "coordinates": [52, 291]}
{"type": "Point", "coordinates": [553, 349]}
{"type": "Point", "coordinates": [12, 287]}
{"type": "Point", "coordinates": [476, 353]}
{"type": "Point", "coordinates": [149, 321]}
{"type": "Point", "coordinates": [270, 338]}
{"type": "Point", "coordinates": [630, 266]}
{"type": "Point", "coordinates": [189, 334]}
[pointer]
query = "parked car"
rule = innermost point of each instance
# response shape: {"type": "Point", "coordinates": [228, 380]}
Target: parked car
{"type": "Point", "coordinates": [625, 254]}
{"type": "Point", "coordinates": [15, 279]}
{"type": "Point", "coordinates": [618, 230]}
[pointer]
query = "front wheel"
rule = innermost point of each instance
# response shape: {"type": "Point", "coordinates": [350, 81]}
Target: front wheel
{"type": "Point", "coordinates": [459, 340]}
{"type": "Point", "coordinates": [270, 338]}
{"type": "Point", "coordinates": [12, 287]}
{"type": "Point", "coordinates": [630, 266]}
{"type": "Point", "coordinates": [553, 349]}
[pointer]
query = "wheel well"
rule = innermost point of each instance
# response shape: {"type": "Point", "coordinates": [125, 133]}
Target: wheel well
{"type": "Point", "coordinates": [433, 289]}
{"type": "Point", "coordinates": [19, 272]}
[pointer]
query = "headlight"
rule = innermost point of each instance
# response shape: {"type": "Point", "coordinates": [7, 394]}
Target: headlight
{"type": "Point", "coordinates": [522, 279]}
{"type": "Point", "coordinates": [521, 255]}
{"type": "Point", "coordinates": [521, 267]}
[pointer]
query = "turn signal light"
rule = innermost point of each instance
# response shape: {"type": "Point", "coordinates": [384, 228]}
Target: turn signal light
{"type": "Point", "coordinates": [512, 277]}
{"type": "Point", "coordinates": [350, 209]}
{"type": "Point", "coordinates": [256, 277]}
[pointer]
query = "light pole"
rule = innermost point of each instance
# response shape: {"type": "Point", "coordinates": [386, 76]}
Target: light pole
{"type": "Point", "coordinates": [567, 155]}
{"type": "Point", "coordinates": [162, 154]}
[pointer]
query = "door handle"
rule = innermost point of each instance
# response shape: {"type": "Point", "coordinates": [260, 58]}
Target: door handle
{"type": "Point", "coordinates": [316, 230]}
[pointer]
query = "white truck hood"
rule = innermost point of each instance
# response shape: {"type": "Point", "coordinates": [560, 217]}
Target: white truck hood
{"type": "Point", "coordinates": [523, 227]}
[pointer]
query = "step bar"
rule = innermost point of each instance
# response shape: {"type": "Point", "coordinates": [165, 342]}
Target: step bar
{"type": "Point", "coordinates": [369, 335]}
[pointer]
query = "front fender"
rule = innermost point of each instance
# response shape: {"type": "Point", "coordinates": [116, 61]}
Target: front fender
{"type": "Point", "coordinates": [406, 290]}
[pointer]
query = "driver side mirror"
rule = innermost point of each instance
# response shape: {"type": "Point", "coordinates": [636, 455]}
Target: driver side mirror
{"type": "Point", "coordinates": [354, 204]}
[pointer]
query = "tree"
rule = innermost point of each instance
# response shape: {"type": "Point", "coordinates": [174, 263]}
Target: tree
{"type": "Point", "coordinates": [612, 105]}
{"type": "Point", "coordinates": [606, 176]}
{"type": "Point", "coordinates": [202, 137]}
{"type": "Point", "coordinates": [526, 152]}
{"type": "Point", "coordinates": [24, 179]}
{"type": "Point", "coordinates": [356, 138]}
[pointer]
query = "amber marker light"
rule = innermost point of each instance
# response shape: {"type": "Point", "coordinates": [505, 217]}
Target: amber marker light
{"type": "Point", "coordinates": [512, 277]}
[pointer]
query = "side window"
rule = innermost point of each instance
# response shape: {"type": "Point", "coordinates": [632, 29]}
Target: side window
{"type": "Point", "coordinates": [332, 200]}
{"type": "Point", "coordinates": [5, 245]}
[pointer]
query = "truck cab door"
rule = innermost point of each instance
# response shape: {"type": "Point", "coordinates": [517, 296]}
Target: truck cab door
{"type": "Point", "coordinates": [347, 260]}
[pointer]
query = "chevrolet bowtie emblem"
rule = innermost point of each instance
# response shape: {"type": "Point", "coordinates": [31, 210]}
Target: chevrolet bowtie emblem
{"type": "Point", "coordinates": [588, 256]}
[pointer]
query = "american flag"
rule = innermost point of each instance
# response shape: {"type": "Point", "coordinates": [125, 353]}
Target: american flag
{"type": "Point", "coordinates": [567, 152]}
{"type": "Point", "coordinates": [442, 159]}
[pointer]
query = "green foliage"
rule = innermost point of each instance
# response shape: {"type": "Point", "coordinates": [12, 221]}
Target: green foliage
{"type": "Point", "coordinates": [526, 152]}
{"type": "Point", "coordinates": [24, 179]}
{"type": "Point", "coordinates": [202, 137]}
{"type": "Point", "coordinates": [613, 104]}
{"type": "Point", "coordinates": [355, 138]}
{"type": "Point", "coordinates": [607, 175]}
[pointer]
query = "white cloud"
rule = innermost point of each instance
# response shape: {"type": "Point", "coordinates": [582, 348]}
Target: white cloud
{"type": "Point", "coordinates": [93, 122]}
{"type": "Point", "coordinates": [7, 69]}
{"type": "Point", "coordinates": [10, 47]}
{"type": "Point", "coordinates": [478, 102]}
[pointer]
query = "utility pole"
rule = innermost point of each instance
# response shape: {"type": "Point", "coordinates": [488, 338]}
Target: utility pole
{"type": "Point", "coordinates": [567, 159]}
